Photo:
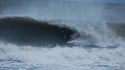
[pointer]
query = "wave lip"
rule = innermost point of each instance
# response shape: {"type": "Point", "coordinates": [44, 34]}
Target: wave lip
{"type": "Point", "coordinates": [27, 31]}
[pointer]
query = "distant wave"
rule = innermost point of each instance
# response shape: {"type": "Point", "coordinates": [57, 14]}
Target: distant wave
{"type": "Point", "coordinates": [117, 28]}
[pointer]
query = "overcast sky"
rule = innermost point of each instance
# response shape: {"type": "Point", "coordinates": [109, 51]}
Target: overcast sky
{"type": "Point", "coordinates": [97, 1]}
{"type": "Point", "coordinates": [100, 1]}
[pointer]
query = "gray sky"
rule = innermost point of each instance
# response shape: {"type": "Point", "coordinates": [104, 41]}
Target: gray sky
{"type": "Point", "coordinates": [97, 1]}
{"type": "Point", "coordinates": [100, 1]}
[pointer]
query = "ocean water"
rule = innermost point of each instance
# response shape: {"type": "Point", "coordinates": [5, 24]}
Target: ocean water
{"type": "Point", "coordinates": [100, 45]}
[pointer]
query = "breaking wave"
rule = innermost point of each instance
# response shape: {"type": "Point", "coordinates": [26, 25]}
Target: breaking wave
{"type": "Point", "coordinates": [27, 31]}
{"type": "Point", "coordinates": [97, 45]}
{"type": "Point", "coordinates": [30, 32]}
{"type": "Point", "coordinates": [86, 42]}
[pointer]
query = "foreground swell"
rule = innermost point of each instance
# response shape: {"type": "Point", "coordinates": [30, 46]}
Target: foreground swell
{"type": "Point", "coordinates": [62, 58]}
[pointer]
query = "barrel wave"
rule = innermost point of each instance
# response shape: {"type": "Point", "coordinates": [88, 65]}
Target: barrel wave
{"type": "Point", "coordinates": [30, 32]}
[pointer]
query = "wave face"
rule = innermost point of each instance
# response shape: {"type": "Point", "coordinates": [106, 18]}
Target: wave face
{"type": "Point", "coordinates": [97, 44]}
{"type": "Point", "coordinates": [29, 32]}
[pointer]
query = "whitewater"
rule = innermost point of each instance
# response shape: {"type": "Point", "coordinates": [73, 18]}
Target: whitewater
{"type": "Point", "coordinates": [100, 45]}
